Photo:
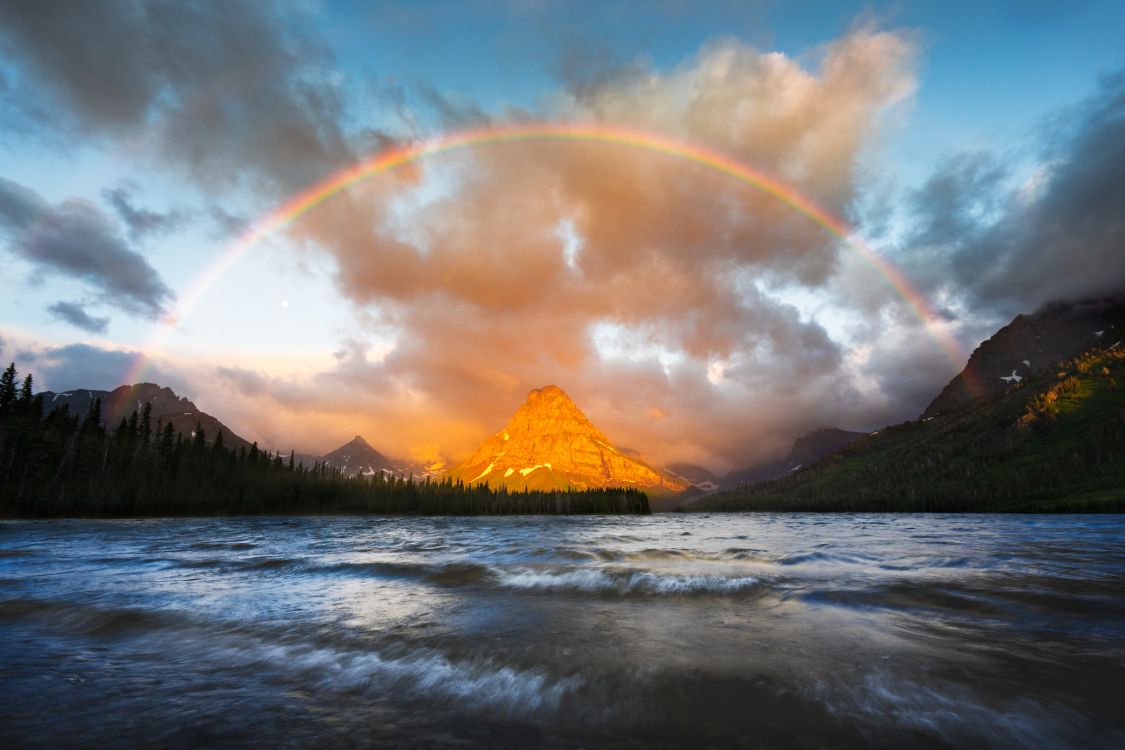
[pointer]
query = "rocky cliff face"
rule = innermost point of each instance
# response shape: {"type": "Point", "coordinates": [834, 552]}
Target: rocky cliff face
{"type": "Point", "coordinates": [550, 444]}
{"type": "Point", "coordinates": [1032, 344]}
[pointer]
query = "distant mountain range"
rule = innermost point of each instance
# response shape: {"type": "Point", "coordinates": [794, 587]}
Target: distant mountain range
{"type": "Point", "coordinates": [550, 444]}
{"type": "Point", "coordinates": [354, 457]}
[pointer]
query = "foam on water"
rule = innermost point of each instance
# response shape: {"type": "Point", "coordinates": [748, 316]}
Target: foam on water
{"type": "Point", "coordinates": [600, 580]}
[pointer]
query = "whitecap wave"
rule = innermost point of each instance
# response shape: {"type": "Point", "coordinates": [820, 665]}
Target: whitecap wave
{"type": "Point", "coordinates": [422, 673]}
{"type": "Point", "coordinates": [598, 580]}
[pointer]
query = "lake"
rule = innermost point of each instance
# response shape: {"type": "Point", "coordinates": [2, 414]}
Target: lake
{"type": "Point", "coordinates": [754, 630]}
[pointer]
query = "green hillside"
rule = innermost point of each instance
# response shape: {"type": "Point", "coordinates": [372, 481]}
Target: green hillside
{"type": "Point", "coordinates": [1054, 443]}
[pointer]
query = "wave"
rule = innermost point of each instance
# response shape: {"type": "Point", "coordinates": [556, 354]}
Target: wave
{"type": "Point", "coordinates": [575, 580]}
{"type": "Point", "coordinates": [689, 555]}
{"type": "Point", "coordinates": [345, 666]}
{"type": "Point", "coordinates": [593, 580]}
{"type": "Point", "coordinates": [222, 545]}
{"type": "Point", "coordinates": [422, 673]}
{"type": "Point", "coordinates": [244, 564]}
{"type": "Point", "coordinates": [955, 714]}
{"type": "Point", "coordinates": [801, 558]}
{"type": "Point", "coordinates": [601, 581]}
{"type": "Point", "coordinates": [1014, 602]}
{"type": "Point", "coordinates": [85, 619]}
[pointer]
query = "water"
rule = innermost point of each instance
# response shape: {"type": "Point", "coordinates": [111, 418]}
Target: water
{"type": "Point", "coordinates": [767, 630]}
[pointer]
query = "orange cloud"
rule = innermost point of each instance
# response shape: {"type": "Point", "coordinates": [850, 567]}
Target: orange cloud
{"type": "Point", "coordinates": [489, 298]}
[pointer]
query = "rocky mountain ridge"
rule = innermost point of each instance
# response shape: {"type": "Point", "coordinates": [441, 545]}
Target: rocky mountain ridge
{"type": "Point", "coordinates": [167, 408]}
{"type": "Point", "coordinates": [358, 457]}
{"type": "Point", "coordinates": [1033, 344]}
{"type": "Point", "coordinates": [550, 444]}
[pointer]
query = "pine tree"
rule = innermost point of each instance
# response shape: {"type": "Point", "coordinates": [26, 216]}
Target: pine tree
{"type": "Point", "coordinates": [168, 440]}
{"type": "Point", "coordinates": [146, 423]}
{"type": "Point", "coordinates": [8, 388]}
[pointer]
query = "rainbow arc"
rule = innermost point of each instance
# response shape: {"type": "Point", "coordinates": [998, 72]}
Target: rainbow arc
{"type": "Point", "coordinates": [394, 158]}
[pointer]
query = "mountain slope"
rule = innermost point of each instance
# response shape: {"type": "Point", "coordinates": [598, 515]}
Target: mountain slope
{"type": "Point", "coordinates": [806, 451]}
{"type": "Point", "coordinates": [1055, 442]}
{"type": "Point", "coordinates": [358, 457]}
{"type": "Point", "coordinates": [122, 401]}
{"type": "Point", "coordinates": [1033, 344]}
{"type": "Point", "coordinates": [697, 476]}
{"type": "Point", "coordinates": [550, 444]}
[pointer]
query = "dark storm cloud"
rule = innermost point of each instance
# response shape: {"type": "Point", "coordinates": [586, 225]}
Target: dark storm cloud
{"type": "Point", "coordinates": [228, 91]}
{"type": "Point", "coordinates": [1061, 236]}
{"type": "Point", "coordinates": [141, 221]}
{"type": "Point", "coordinates": [953, 201]}
{"type": "Point", "coordinates": [94, 55]}
{"type": "Point", "coordinates": [64, 368]}
{"type": "Point", "coordinates": [76, 315]}
{"type": "Point", "coordinates": [76, 239]}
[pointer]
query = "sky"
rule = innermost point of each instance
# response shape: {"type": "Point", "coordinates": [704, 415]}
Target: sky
{"type": "Point", "coordinates": [973, 151]}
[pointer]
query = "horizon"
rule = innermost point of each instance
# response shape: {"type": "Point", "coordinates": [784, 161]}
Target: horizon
{"type": "Point", "coordinates": [164, 218]}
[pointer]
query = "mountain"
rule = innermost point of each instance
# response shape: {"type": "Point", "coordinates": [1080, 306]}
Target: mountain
{"type": "Point", "coordinates": [696, 476]}
{"type": "Point", "coordinates": [1033, 344]}
{"type": "Point", "coordinates": [550, 444]}
{"type": "Point", "coordinates": [1053, 442]}
{"type": "Point", "coordinates": [806, 451]}
{"type": "Point", "coordinates": [358, 457]}
{"type": "Point", "coordinates": [122, 401]}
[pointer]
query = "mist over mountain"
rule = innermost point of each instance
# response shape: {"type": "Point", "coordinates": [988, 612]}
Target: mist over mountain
{"type": "Point", "coordinates": [806, 451]}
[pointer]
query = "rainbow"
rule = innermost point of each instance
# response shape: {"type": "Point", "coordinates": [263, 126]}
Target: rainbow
{"type": "Point", "coordinates": [394, 158]}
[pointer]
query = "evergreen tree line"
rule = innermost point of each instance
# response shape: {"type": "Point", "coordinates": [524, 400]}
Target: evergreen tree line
{"type": "Point", "coordinates": [60, 464]}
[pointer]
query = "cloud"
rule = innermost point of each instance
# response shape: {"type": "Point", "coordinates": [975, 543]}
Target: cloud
{"type": "Point", "coordinates": [231, 93]}
{"type": "Point", "coordinates": [226, 224]}
{"type": "Point", "coordinates": [626, 277]}
{"type": "Point", "coordinates": [143, 222]}
{"type": "Point", "coordinates": [1058, 236]}
{"type": "Point", "coordinates": [454, 111]}
{"type": "Point", "coordinates": [954, 200]}
{"type": "Point", "coordinates": [643, 285]}
{"type": "Point", "coordinates": [75, 239]}
{"type": "Point", "coordinates": [76, 315]}
{"type": "Point", "coordinates": [63, 368]}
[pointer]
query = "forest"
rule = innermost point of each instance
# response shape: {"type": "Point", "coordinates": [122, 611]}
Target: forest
{"type": "Point", "coordinates": [58, 464]}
